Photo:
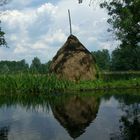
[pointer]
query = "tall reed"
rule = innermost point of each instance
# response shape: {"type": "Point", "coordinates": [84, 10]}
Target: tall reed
{"type": "Point", "coordinates": [29, 83]}
{"type": "Point", "coordinates": [46, 84]}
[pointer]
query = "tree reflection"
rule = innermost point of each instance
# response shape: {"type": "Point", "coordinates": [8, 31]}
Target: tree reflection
{"type": "Point", "coordinates": [130, 127]}
{"type": "Point", "coordinates": [130, 121]}
{"type": "Point", "coordinates": [4, 133]}
{"type": "Point", "coordinates": [76, 113]}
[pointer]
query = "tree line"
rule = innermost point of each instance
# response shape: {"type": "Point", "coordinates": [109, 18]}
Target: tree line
{"type": "Point", "coordinates": [14, 67]}
{"type": "Point", "coordinates": [117, 60]}
{"type": "Point", "coordinates": [105, 61]}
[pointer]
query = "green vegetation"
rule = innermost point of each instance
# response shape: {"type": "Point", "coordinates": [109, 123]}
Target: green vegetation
{"type": "Point", "coordinates": [45, 84]}
{"type": "Point", "coordinates": [125, 58]}
{"type": "Point", "coordinates": [103, 59]}
{"type": "Point", "coordinates": [2, 39]}
{"type": "Point", "coordinates": [125, 19]}
{"type": "Point", "coordinates": [125, 25]}
{"type": "Point", "coordinates": [127, 75]}
{"type": "Point", "coordinates": [27, 83]}
{"type": "Point", "coordinates": [100, 84]}
{"type": "Point", "coordinates": [19, 77]}
{"type": "Point", "coordinates": [14, 67]}
{"type": "Point", "coordinates": [37, 67]}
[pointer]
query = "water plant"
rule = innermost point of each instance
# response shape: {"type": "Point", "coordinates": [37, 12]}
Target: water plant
{"type": "Point", "coordinates": [46, 84]}
{"type": "Point", "coordinates": [29, 83]}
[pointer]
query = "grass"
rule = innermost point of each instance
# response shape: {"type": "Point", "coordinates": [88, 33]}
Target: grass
{"type": "Point", "coordinates": [46, 84]}
{"type": "Point", "coordinates": [109, 76]}
{"type": "Point", "coordinates": [101, 84]}
{"type": "Point", "coordinates": [27, 83]}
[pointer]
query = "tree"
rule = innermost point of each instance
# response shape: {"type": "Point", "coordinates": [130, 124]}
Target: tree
{"type": "Point", "coordinates": [125, 58]}
{"type": "Point", "coordinates": [102, 59]}
{"type": "Point", "coordinates": [2, 39]}
{"type": "Point", "coordinates": [13, 66]}
{"type": "Point", "coordinates": [23, 66]}
{"type": "Point", "coordinates": [36, 66]}
{"type": "Point", "coordinates": [46, 67]}
{"type": "Point", "coordinates": [125, 21]}
{"type": "Point", "coordinates": [5, 69]}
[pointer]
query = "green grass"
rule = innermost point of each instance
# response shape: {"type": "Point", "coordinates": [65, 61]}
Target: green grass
{"type": "Point", "coordinates": [109, 76]}
{"type": "Point", "coordinates": [101, 84]}
{"type": "Point", "coordinates": [27, 83]}
{"type": "Point", "coordinates": [46, 84]}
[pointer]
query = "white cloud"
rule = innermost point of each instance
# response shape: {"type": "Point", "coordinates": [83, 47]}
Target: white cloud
{"type": "Point", "coordinates": [48, 8]}
{"type": "Point", "coordinates": [56, 37]}
{"type": "Point", "coordinates": [20, 49]}
{"type": "Point", "coordinates": [41, 31]}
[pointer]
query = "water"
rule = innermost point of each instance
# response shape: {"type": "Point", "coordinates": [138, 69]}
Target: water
{"type": "Point", "coordinates": [98, 116]}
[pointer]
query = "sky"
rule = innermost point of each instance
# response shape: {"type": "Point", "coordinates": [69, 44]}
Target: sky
{"type": "Point", "coordinates": [39, 28]}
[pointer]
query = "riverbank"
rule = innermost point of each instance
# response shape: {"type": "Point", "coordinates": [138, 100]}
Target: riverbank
{"type": "Point", "coordinates": [106, 85]}
{"type": "Point", "coordinates": [27, 83]}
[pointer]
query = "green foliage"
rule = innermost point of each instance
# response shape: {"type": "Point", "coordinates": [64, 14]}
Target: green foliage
{"type": "Point", "coordinates": [102, 59]}
{"type": "Point", "coordinates": [46, 67]}
{"type": "Point", "coordinates": [112, 76]}
{"type": "Point", "coordinates": [13, 66]}
{"type": "Point", "coordinates": [29, 83]}
{"type": "Point", "coordinates": [125, 21]}
{"type": "Point", "coordinates": [36, 65]}
{"type": "Point", "coordinates": [45, 84]}
{"type": "Point", "coordinates": [2, 39]}
{"type": "Point", "coordinates": [126, 58]}
{"type": "Point", "coordinates": [106, 85]}
{"type": "Point", "coordinates": [5, 69]}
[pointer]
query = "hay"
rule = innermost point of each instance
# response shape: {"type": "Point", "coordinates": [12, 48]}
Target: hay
{"type": "Point", "coordinates": [74, 62]}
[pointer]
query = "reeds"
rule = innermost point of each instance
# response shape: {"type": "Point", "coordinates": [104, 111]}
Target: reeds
{"type": "Point", "coordinates": [29, 83]}
{"type": "Point", "coordinates": [46, 84]}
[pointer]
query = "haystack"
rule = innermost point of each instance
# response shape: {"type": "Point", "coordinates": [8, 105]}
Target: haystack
{"type": "Point", "coordinates": [74, 62]}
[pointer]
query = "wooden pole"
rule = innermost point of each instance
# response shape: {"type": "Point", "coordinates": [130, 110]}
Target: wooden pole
{"type": "Point", "coordinates": [70, 22]}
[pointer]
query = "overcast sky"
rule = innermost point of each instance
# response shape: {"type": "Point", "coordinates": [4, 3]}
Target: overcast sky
{"type": "Point", "coordinates": [40, 27]}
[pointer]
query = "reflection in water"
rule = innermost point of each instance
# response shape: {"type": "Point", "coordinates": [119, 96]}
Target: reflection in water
{"type": "Point", "coordinates": [4, 133]}
{"type": "Point", "coordinates": [76, 113]}
{"type": "Point", "coordinates": [34, 117]}
{"type": "Point", "coordinates": [130, 120]}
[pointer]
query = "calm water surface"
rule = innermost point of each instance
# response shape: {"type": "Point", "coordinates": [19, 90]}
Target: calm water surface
{"type": "Point", "coordinates": [86, 116]}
